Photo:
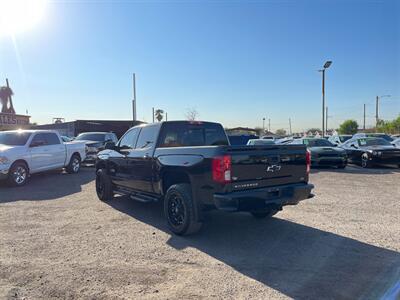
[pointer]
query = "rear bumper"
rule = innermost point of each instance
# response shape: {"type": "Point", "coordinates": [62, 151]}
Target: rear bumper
{"type": "Point", "coordinates": [259, 199]}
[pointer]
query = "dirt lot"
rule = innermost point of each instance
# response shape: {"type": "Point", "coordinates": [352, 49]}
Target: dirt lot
{"type": "Point", "coordinates": [58, 241]}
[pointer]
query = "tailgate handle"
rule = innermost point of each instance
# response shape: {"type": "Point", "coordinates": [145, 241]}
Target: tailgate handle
{"type": "Point", "coordinates": [274, 159]}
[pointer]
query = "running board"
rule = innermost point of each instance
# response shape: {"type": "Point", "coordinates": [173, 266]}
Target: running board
{"type": "Point", "coordinates": [137, 195]}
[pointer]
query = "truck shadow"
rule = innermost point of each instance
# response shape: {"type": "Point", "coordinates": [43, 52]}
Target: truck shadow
{"type": "Point", "coordinates": [47, 186]}
{"type": "Point", "coordinates": [297, 260]}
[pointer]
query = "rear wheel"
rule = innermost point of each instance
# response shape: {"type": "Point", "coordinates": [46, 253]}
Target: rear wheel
{"type": "Point", "coordinates": [104, 187]}
{"type": "Point", "coordinates": [74, 164]}
{"type": "Point", "coordinates": [264, 214]}
{"type": "Point", "coordinates": [18, 174]}
{"type": "Point", "coordinates": [179, 210]}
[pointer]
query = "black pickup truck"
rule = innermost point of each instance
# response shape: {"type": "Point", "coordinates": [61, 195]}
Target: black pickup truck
{"type": "Point", "coordinates": [192, 168]}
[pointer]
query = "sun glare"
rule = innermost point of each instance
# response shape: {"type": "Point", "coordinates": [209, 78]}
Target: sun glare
{"type": "Point", "coordinates": [20, 15]}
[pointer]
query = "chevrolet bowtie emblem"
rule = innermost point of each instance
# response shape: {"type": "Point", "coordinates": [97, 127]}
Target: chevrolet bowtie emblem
{"type": "Point", "coordinates": [273, 168]}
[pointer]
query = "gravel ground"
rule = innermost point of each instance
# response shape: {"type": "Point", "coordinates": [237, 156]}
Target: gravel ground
{"type": "Point", "coordinates": [58, 241]}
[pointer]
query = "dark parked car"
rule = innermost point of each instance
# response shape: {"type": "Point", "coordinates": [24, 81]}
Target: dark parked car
{"type": "Point", "coordinates": [241, 139]}
{"type": "Point", "coordinates": [376, 135]}
{"type": "Point", "coordinates": [191, 167]}
{"type": "Point", "coordinates": [95, 142]}
{"type": "Point", "coordinates": [323, 153]}
{"type": "Point", "coordinates": [370, 151]}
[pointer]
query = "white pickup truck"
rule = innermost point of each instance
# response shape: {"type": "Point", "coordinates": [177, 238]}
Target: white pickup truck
{"type": "Point", "coordinates": [24, 152]}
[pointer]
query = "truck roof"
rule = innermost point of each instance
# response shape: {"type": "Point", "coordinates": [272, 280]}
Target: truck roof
{"type": "Point", "coordinates": [178, 121]}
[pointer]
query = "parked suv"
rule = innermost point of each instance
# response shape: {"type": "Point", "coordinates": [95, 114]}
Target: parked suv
{"type": "Point", "coordinates": [95, 142]}
{"type": "Point", "coordinates": [191, 167]}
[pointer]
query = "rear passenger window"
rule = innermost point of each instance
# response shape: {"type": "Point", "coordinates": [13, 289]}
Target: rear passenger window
{"type": "Point", "coordinates": [52, 139]}
{"type": "Point", "coordinates": [182, 134]}
{"type": "Point", "coordinates": [147, 137]}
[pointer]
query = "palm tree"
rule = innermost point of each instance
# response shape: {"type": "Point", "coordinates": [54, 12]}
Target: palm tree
{"type": "Point", "coordinates": [159, 114]}
{"type": "Point", "coordinates": [5, 99]}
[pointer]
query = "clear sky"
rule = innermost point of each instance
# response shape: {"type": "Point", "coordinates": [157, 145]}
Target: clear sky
{"type": "Point", "coordinates": [234, 61]}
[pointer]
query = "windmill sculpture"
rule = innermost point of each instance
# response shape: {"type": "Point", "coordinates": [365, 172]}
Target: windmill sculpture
{"type": "Point", "coordinates": [6, 100]}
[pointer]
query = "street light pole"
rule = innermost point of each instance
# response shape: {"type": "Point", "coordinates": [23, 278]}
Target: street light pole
{"type": "Point", "coordinates": [326, 66]}
{"type": "Point", "coordinates": [263, 125]}
{"type": "Point", "coordinates": [326, 119]}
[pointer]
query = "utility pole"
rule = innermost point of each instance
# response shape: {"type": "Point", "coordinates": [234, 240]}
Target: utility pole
{"type": "Point", "coordinates": [364, 119]}
{"type": "Point", "coordinates": [269, 124]}
{"type": "Point", "coordinates": [323, 102]}
{"type": "Point", "coordinates": [134, 98]}
{"type": "Point", "coordinates": [263, 125]}
{"type": "Point", "coordinates": [153, 114]}
{"type": "Point", "coordinates": [290, 126]}
{"type": "Point", "coordinates": [166, 116]}
{"type": "Point", "coordinates": [377, 113]}
{"type": "Point", "coordinates": [377, 108]}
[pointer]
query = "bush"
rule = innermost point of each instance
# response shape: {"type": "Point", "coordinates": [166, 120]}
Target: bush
{"type": "Point", "coordinates": [348, 127]}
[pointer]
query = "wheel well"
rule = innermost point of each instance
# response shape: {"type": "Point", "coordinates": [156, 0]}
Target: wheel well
{"type": "Point", "coordinates": [21, 161]}
{"type": "Point", "coordinates": [76, 153]}
{"type": "Point", "coordinates": [173, 177]}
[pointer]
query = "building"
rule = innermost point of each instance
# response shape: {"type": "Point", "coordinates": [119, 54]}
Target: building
{"type": "Point", "coordinates": [10, 121]}
{"type": "Point", "coordinates": [72, 129]}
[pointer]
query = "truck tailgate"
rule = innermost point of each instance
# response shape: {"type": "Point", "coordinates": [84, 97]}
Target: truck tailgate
{"type": "Point", "coordinates": [269, 165]}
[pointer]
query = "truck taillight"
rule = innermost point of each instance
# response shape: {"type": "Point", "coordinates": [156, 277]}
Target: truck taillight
{"type": "Point", "coordinates": [308, 161]}
{"type": "Point", "coordinates": [221, 169]}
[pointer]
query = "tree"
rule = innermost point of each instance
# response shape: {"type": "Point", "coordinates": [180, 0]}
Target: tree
{"type": "Point", "coordinates": [389, 126]}
{"type": "Point", "coordinates": [348, 127]}
{"type": "Point", "coordinates": [5, 99]}
{"type": "Point", "coordinates": [281, 132]}
{"type": "Point", "coordinates": [159, 114]}
{"type": "Point", "coordinates": [191, 114]}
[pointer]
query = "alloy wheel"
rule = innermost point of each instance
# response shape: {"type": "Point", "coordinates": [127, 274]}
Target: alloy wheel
{"type": "Point", "coordinates": [76, 164]}
{"type": "Point", "coordinates": [176, 210]}
{"type": "Point", "coordinates": [20, 175]}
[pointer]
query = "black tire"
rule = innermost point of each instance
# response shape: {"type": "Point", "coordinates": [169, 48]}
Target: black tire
{"type": "Point", "coordinates": [104, 186]}
{"type": "Point", "coordinates": [179, 210]}
{"type": "Point", "coordinates": [264, 214]}
{"type": "Point", "coordinates": [18, 174]}
{"type": "Point", "coordinates": [74, 164]}
{"type": "Point", "coordinates": [342, 166]}
{"type": "Point", "coordinates": [365, 163]}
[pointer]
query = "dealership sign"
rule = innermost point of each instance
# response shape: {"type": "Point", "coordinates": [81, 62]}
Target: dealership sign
{"type": "Point", "coordinates": [13, 120]}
